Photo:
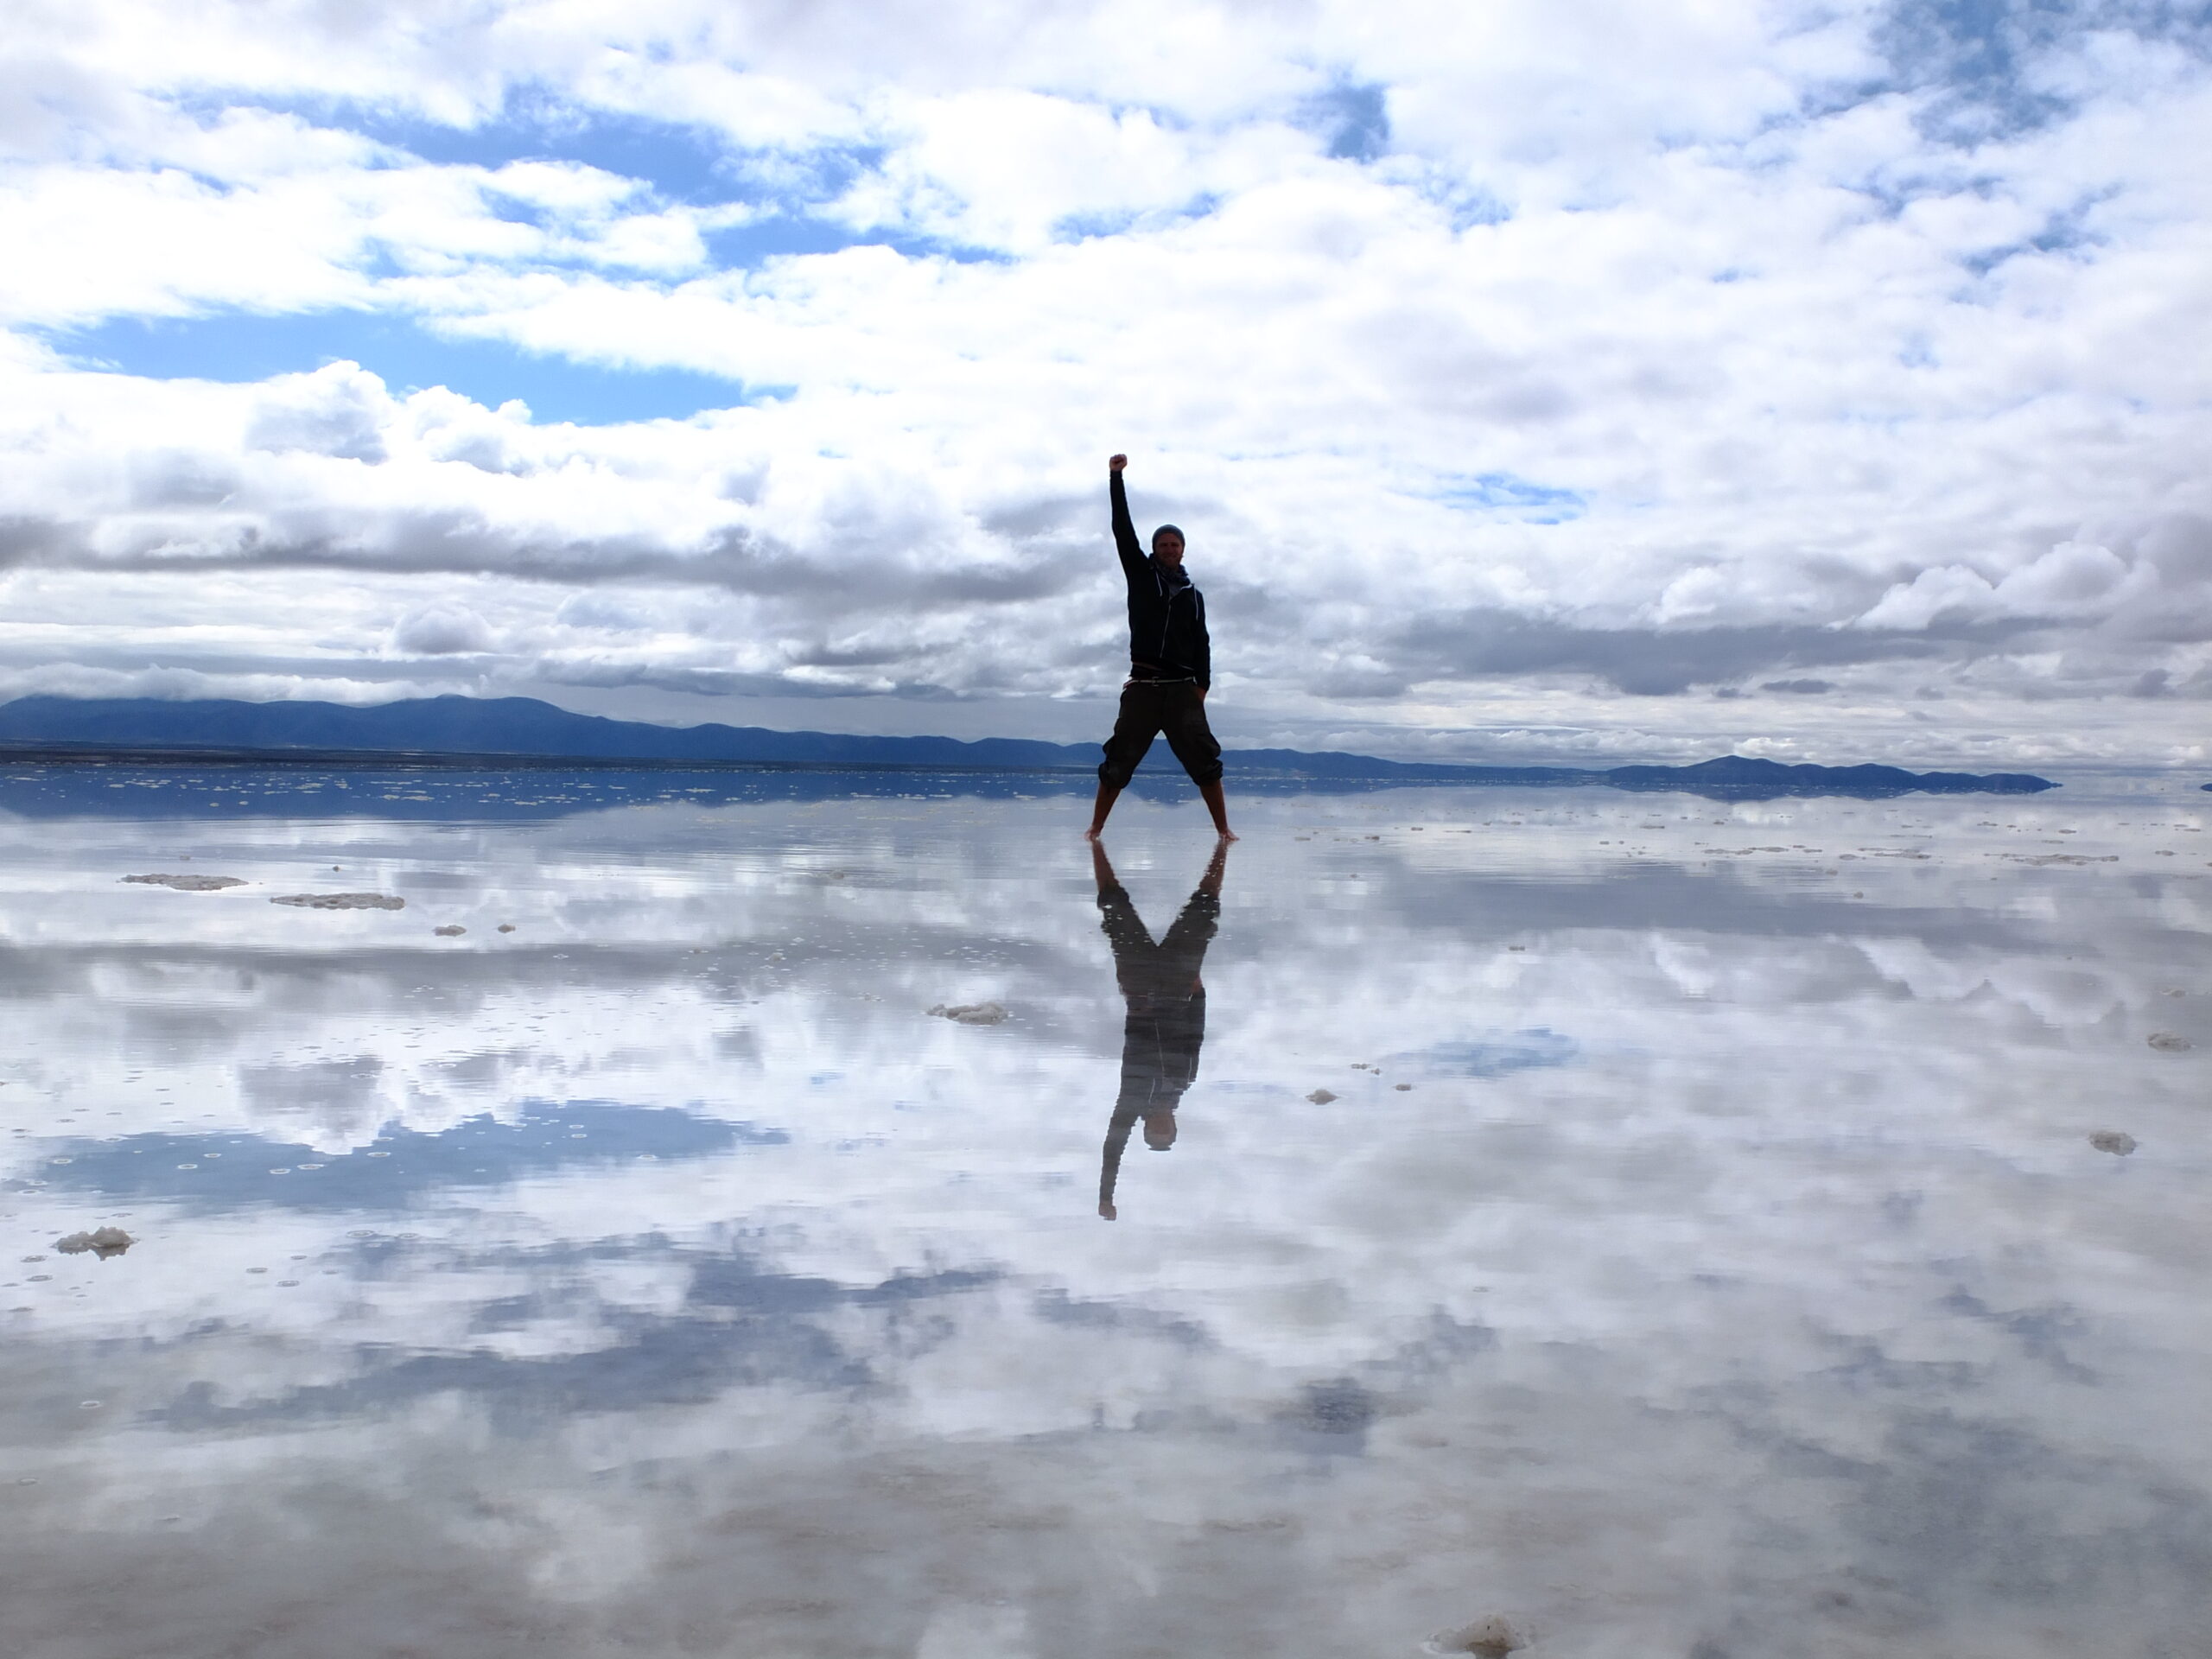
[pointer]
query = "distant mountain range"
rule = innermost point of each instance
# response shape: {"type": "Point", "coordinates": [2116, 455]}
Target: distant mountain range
{"type": "Point", "coordinates": [510, 731]}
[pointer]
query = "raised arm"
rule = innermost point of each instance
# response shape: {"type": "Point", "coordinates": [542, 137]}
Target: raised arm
{"type": "Point", "coordinates": [1125, 533]}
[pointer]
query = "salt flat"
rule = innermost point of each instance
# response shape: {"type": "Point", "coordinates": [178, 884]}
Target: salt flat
{"type": "Point", "coordinates": [1699, 1247]}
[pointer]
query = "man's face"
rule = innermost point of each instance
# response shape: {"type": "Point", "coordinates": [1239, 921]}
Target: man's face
{"type": "Point", "coordinates": [1160, 1130]}
{"type": "Point", "coordinates": [1168, 549]}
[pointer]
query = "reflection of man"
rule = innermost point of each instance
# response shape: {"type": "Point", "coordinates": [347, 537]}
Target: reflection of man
{"type": "Point", "coordinates": [1167, 1022]}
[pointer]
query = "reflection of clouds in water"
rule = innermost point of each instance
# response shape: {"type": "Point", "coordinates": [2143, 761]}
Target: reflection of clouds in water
{"type": "Point", "coordinates": [737, 1327]}
{"type": "Point", "coordinates": [219, 1172]}
{"type": "Point", "coordinates": [1856, 1510]}
{"type": "Point", "coordinates": [343, 1095]}
{"type": "Point", "coordinates": [1739, 1274]}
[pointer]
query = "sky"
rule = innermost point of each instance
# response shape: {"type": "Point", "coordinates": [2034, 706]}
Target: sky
{"type": "Point", "coordinates": [1629, 380]}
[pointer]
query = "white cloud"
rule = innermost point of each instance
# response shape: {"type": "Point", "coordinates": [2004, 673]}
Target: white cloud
{"type": "Point", "coordinates": [441, 630]}
{"type": "Point", "coordinates": [2072, 580]}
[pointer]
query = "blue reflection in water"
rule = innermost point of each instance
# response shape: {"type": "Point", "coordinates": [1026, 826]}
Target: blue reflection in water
{"type": "Point", "coordinates": [218, 1171]}
{"type": "Point", "coordinates": [1518, 1050]}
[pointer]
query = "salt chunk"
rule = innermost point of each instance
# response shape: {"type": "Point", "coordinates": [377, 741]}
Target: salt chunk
{"type": "Point", "coordinates": [1486, 1638]}
{"type": "Point", "coordinates": [970, 1014]}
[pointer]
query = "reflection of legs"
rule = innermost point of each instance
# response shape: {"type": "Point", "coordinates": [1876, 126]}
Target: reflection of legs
{"type": "Point", "coordinates": [1134, 729]}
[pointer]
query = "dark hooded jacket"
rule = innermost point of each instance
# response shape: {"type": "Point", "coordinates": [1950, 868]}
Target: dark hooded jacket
{"type": "Point", "coordinates": [1168, 615]}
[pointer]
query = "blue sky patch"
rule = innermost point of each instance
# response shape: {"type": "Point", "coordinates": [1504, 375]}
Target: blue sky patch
{"type": "Point", "coordinates": [778, 236]}
{"type": "Point", "coordinates": [1522, 498]}
{"type": "Point", "coordinates": [745, 247]}
{"type": "Point", "coordinates": [692, 166]}
{"type": "Point", "coordinates": [1981, 63]}
{"type": "Point", "coordinates": [2066, 232]}
{"type": "Point", "coordinates": [1354, 117]}
{"type": "Point", "coordinates": [682, 162]}
{"type": "Point", "coordinates": [241, 346]}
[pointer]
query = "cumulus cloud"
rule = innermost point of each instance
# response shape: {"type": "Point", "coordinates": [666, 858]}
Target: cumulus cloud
{"type": "Point", "coordinates": [441, 630]}
{"type": "Point", "coordinates": [1495, 358]}
{"type": "Point", "coordinates": [339, 411]}
{"type": "Point", "coordinates": [2071, 581]}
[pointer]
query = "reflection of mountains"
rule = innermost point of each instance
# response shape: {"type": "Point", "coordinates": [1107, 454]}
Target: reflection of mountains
{"type": "Point", "coordinates": [222, 1171]}
{"type": "Point", "coordinates": [449, 794]}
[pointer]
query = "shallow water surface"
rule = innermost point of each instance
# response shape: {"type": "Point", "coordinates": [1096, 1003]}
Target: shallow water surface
{"type": "Point", "coordinates": [1616, 1226]}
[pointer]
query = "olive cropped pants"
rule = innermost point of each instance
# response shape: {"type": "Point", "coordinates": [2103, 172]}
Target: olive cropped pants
{"type": "Point", "coordinates": [1149, 708]}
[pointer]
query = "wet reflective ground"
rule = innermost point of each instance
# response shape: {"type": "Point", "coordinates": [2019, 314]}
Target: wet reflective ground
{"type": "Point", "coordinates": [1622, 1226]}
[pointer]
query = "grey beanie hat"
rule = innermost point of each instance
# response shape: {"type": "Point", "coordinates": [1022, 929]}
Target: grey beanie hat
{"type": "Point", "coordinates": [1169, 530]}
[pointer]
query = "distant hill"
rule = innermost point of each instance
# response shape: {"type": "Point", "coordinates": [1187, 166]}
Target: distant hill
{"type": "Point", "coordinates": [508, 731]}
{"type": "Point", "coordinates": [1740, 774]}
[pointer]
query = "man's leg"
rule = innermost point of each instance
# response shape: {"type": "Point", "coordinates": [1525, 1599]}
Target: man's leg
{"type": "Point", "coordinates": [1195, 745]}
{"type": "Point", "coordinates": [1217, 805]}
{"type": "Point", "coordinates": [1108, 794]}
{"type": "Point", "coordinates": [1134, 729]}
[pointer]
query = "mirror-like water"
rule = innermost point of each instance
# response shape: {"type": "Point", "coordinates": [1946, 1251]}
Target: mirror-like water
{"type": "Point", "coordinates": [1619, 1226]}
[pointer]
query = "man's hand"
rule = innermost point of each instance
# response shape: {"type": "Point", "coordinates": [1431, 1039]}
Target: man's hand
{"type": "Point", "coordinates": [1114, 463]}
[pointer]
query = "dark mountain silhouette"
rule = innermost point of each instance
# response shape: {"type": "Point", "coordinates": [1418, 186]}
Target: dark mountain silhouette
{"type": "Point", "coordinates": [520, 731]}
{"type": "Point", "coordinates": [504, 729]}
{"type": "Point", "coordinates": [1742, 774]}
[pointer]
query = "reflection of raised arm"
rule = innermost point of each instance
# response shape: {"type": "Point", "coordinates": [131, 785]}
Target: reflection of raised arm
{"type": "Point", "coordinates": [1109, 1164]}
{"type": "Point", "coordinates": [1125, 533]}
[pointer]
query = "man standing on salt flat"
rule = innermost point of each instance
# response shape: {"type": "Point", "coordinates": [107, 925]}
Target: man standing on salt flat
{"type": "Point", "coordinates": [1171, 668]}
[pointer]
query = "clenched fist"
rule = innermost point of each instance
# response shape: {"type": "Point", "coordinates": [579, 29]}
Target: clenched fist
{"type": "Point", "coordinates": [1114, 463]}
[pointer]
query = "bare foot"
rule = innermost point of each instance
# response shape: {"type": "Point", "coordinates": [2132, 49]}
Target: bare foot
{"type": "Point", "coordinates": [1227, 835]}
{"type": "Point", "coordinates": [1094, 832]}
